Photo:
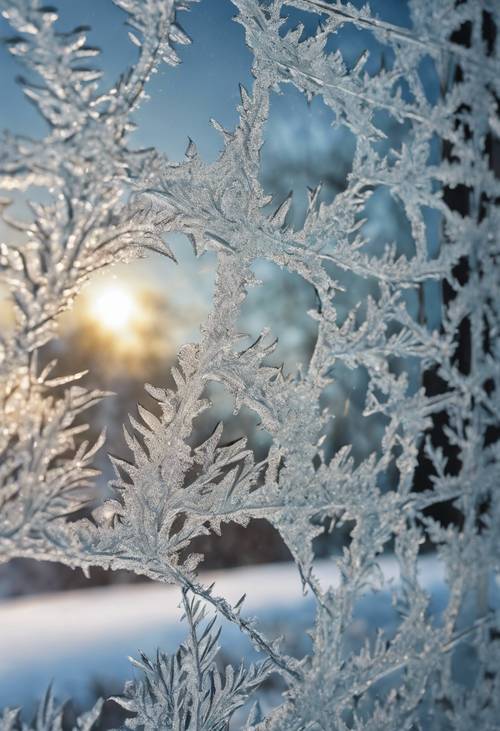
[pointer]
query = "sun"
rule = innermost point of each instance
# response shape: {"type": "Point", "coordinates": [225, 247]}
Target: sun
{"type": "Point", "coordinates": [113, 308]}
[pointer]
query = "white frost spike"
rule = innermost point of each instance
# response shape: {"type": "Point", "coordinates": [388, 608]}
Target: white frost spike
{"type": "Point", "coordinates": [393, 418]}
{"type": "Point", "coordinates": [134, 39]}
{"type": "Point", "coordinates": [191, 150]}
{"type": "Point", "coordinates": [279, 216]}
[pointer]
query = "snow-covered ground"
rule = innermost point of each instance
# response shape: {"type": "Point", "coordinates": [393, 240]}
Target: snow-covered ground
{"type": "Point", "coordinates": [80, 638]}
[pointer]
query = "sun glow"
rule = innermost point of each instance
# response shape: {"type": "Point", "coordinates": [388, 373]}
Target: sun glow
{"type": "Point", "coordinates": [114, 308]}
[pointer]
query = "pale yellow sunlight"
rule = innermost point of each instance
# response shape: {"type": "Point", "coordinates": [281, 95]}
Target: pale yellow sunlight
{"type": "Point", "coordinates": [114, 308]}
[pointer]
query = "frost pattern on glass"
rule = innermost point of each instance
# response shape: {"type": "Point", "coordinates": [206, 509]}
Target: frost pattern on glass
{"type": "Point", "coordinates": [107, 202]}
{"type": "Point", "coordinates": [187, 690]}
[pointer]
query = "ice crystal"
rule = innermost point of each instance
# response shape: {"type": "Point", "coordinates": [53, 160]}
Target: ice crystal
{"type": "Point", "coordinates": [49, 717]}
{"type": "Point", "coordinates": [107, 201]}
{"type": "Point", "coordinates": [187, 690]}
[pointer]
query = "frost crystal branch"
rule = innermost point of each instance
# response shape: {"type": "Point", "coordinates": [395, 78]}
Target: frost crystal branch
{"type": "Point", "coordinates": [435, 408]}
